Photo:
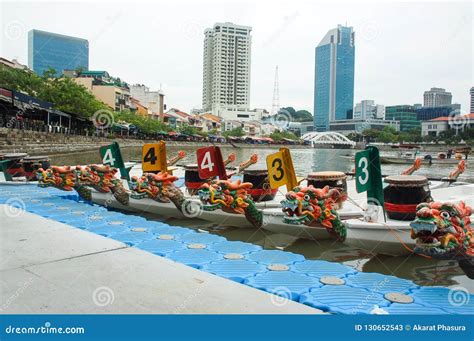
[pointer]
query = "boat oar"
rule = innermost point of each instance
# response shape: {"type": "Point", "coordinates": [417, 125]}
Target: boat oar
{"type": "Point", "coordinates": [429, 178]}
{"type": "Point", "coordinates": [230, 159]}
{"type": "Point", "coordinates": [461, 167]}
{"type": "Point", "coordinates": [246, 164]}
{"type": "Point", "coordinates": [173, 160]}
{"type": "Point", "coordinates": [416, 165]}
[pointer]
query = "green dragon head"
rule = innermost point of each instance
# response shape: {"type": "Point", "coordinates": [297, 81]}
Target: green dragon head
{"type": "Point", "coordinates": [226, 195]}
{"type": "Point", "coordinates": [443, 230]}
{"type": "Point", "coordinates": [62, 178]}
{"type": "Point", "coordinates": [314, 207]}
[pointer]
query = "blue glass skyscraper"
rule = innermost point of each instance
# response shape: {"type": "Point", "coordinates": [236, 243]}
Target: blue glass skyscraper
{"type": "Point", "coordinates": [334, 77]}
{"type": "Point", "coordinates": [50, 50]}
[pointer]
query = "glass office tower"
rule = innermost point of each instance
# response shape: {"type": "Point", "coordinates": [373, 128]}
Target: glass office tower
{"type": "Point", "coordinates": [334, 77]}
{"type": "Point", "coordinates": [50, 50]}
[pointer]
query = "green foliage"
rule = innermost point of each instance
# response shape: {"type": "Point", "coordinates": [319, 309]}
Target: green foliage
{"type": "Point", "coordinates": [187, 129]}
{"type": "Point", "coordinates": [236, 132]}
{"type": "Point", "coordinates": [64, 93]}
{"type": "Point", "coordinates": [300, 115]}
{"type": "Point", "coordinates": [280, 135]}
{"type": "Point", "coordinates": [144, 124]}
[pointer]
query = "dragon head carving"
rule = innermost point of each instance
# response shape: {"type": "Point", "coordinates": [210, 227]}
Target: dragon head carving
{"type": "Point", "coordinates": [62, 178]}
{"type": "Point", "coordinates": [154, 186]}
{"type": "Point", "coordinates": [314, 207]}
{"type": "Point", "coordinates": [226, 195]}
{"type": "Point", "coordinates": [443, 230]}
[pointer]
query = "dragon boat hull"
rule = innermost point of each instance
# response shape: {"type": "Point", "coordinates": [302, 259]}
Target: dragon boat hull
{"type": "Point", "coordinates": [393, 237]}
{"type": "Point", "coordinates": [137, 205]}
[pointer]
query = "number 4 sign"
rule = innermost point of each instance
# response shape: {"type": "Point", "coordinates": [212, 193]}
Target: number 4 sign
{"type": "Point", "coordinates": [154, 157]}
{"type": "Point", "coordinates": [210, 163]}
{"type": "Point", "coordinates": [111, 156]}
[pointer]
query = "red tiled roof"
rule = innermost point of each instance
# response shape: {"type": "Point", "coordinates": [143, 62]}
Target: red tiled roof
{"type": "Point", "coordinates": [446, 118]}
{"type": "Point", "coordinates": [443, 118]}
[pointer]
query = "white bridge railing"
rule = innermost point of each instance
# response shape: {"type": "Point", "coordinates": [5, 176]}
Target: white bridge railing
{"type": "Point", "coordinates": [327, 138]}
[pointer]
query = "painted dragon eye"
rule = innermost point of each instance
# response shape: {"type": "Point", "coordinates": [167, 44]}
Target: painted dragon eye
{"type": "Point", "coordinates": [306, 197]}
{"type": "Point", "coordinates": [445, 215]}
{"type": "Point", "coordinates": [219, 188]}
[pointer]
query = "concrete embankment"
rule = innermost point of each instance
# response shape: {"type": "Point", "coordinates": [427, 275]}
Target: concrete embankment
{"type": "Point", "coordinates": [48, 267]}
{"type": "Point", "coordinates": [37, 143]}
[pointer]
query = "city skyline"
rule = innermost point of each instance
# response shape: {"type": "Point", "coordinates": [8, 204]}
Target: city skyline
{"type": "Point", "coordinates": [173, 57]}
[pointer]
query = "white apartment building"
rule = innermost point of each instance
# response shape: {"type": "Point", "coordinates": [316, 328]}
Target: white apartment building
{"type": "Point", "coordinates": [367, 110]}
{"type": "Point", "coordinates": [226, 68]}
{"type": "Point", "coordinates": [153, 100]}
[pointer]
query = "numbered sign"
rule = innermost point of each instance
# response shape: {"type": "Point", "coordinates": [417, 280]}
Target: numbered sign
{"type": "Point", "coordinates": [112, 156]}
{"type": "Point", "coordinates": [154, 157]}
{"type": "Point", "coordinates": [280, 170]}
{"type": "Point", "coordinates": [362, 175]}
{"type": "Point", "coordinates": [210, 163]}
{"type": "Point", "coordinates": [368, 175]}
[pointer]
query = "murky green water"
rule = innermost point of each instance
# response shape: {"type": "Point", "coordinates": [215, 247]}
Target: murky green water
{"type": "Point", "coordinates": [421, 270]}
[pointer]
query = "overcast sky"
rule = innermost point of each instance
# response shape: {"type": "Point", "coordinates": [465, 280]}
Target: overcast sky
{"type": "Point", "coordinates": [402, 48]}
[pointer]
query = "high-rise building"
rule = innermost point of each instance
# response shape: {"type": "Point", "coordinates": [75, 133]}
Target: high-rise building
{"type": "Point", "coordinates": [471, 92]}
{"type": "Point", "coordinates": [334, 77]}
{"type": "Point", "coordinates": [153, 100]}
{"type": "Point", "coordinates": [405, 114]}
{"type": "Point", "coordinates": [436, 97]}
{"type": "Point", "coordinates": [226, 68]}
{"type": "Point", "coordinates": [368, 110]}
{"type": "Point", "coordinates": [51, 50]}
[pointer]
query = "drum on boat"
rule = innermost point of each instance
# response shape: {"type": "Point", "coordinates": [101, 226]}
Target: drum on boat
{"type": "Point", "coordinates": [329, 178]}
{"type": "Point", "coordinates": [32, 163]}
{"type": "Point", "coordinates": [403, 194]}
{"type": "Point", "coordinates": [192, 181]}
{"type": "Point", "coordinates": [332, 179]}
{"type": "Point", "coordinates": [260, 190]}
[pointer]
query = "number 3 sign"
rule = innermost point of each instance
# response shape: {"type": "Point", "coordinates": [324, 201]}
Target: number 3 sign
{"type": "Point", "coordinates": [210, 163]}
{"type": "Point", "coordinates": [368, 174]}
{"type": "Point", "coordinates": [280, 170]}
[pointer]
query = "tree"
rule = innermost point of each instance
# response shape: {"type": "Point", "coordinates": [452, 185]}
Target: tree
{"type": "Point", "coordinates": [280, 135]}
{"type": "Point", "coordinates": [187, 129]}
{"type": "Point", "coordinates": [236, 132]}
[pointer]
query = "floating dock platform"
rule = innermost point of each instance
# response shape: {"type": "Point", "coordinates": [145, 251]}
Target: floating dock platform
{"type": "Point", "coordinates": [326, 286]}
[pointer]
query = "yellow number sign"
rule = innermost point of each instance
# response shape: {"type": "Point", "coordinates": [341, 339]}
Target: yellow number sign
{"type": "Point", "coordinates": [280, 170]}
{"type": "Point", "coordinates": [154, 157]}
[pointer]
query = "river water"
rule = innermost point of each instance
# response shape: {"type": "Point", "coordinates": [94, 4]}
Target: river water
{"type": "Point", "coordinates": [421, 270]}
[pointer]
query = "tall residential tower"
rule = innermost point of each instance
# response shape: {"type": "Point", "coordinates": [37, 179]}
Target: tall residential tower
{"type": "Point", "coordinates": [334, 77]}
{"type": "Point", "coordinates": [226, 68]}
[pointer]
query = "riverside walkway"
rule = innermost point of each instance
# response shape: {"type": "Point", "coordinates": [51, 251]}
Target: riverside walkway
{"type": "Point", "coordinates": [47, 266]}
